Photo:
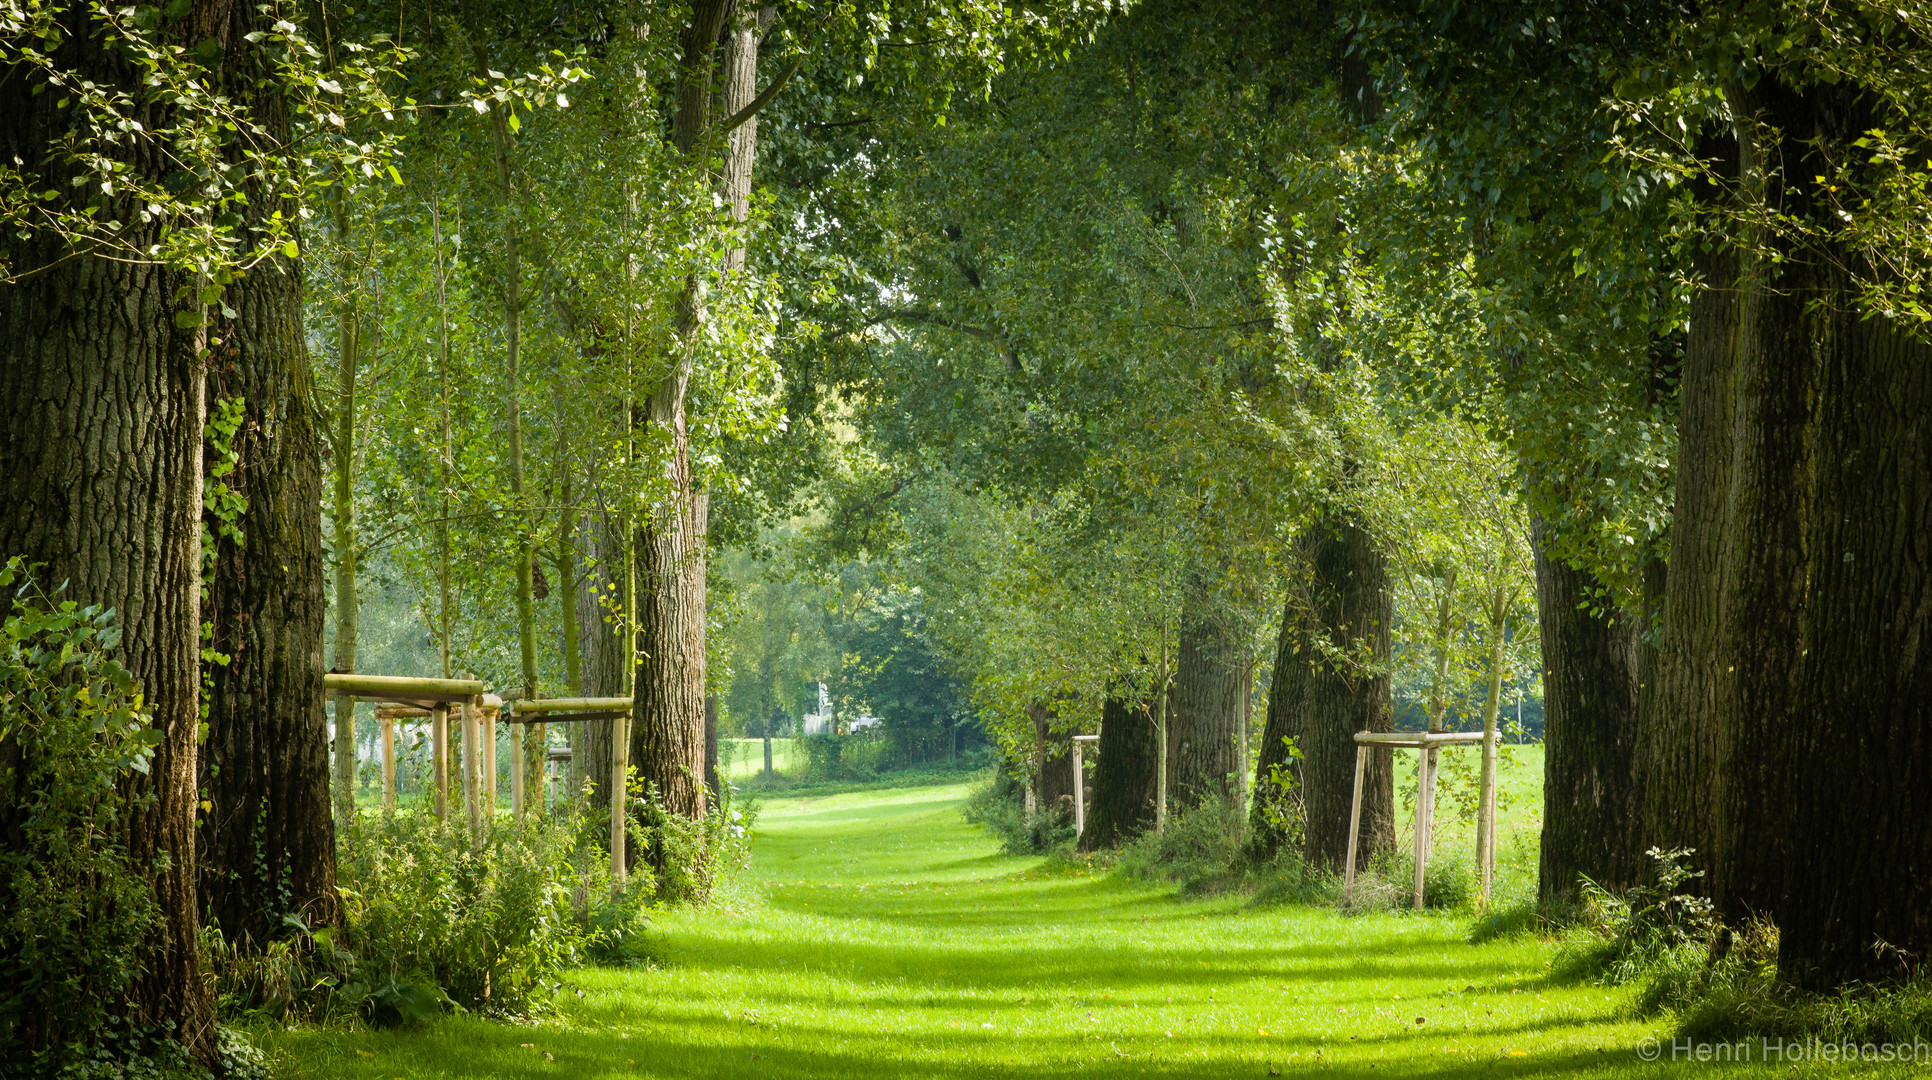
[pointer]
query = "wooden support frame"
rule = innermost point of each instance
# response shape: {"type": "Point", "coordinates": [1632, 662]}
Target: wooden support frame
{"type": "Point", "coordinates": [390, 713]}
{"type": "Point", "coordinates": [393, 693]}
{"type": "Point", "coordinates": [1428, 744]}
{"type": "Point", "coordinates": [540, 711]}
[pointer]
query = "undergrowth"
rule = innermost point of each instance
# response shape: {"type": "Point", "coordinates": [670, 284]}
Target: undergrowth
{"type": "Point", "coordinates": [1720, 982]}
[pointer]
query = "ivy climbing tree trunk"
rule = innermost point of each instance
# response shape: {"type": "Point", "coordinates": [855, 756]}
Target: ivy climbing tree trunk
{"type": "Point", "coordinates": [267, 841]}
{"type": "Point", "coordinates": [1122, 804]}
{"type": "Point", "coordinates": [100, 484]}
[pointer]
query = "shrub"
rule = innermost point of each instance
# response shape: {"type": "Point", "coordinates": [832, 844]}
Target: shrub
{"type": "Point", "coordinates": [1201, 849]}
{"type": "Point", "coordinates": [687, 856]}
{"type": "Point", "coordinates": [74, 908]}
{"type": "Point", "coordinates": [999, 806]}
{"type": "Point", "coordinates": [1626, 934]}
{"type": "Point", "coordinates": [1286, 879]}
{"type": "Point", "coordinates": [486, 919]}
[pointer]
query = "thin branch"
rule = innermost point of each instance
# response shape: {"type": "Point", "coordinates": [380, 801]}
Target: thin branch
{"type": "Point", "coordinates": [994, 337]}
{"type": "Point", "coordinates": [763, 99]}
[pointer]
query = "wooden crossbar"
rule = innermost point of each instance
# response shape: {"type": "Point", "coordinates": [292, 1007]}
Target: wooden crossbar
{"type": "Point", "coordinates": [566, 718]}
{"type": "Point", "coordinates": [572, 705]}
{"type": "Point", "coordinates": [400, 688]}
{"type": "Point", "coordinates": [1416, 740]}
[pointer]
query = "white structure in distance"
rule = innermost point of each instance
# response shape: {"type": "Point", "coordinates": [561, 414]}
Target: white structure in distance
{"type": "Point", "coordinates": [825, 720]}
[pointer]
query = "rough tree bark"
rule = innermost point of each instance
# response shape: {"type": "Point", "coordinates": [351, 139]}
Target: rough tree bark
{"type": "Point", "coordinates": [1590, 665]}
{"type": "Point", "coordinates": [1858, 841]}
{"type": "Point", "coordinates": [267, 841]}
{"type": "Point", "coordinates": [1761, 641]}
{"type": "Point", "coordinates": [1321, 696]}
{"type": "Point", "coordinates": [1203, 734]}
{"type": "Point", "coordinates": [1122, 803]}
{"type": "Point", "coordinates": [100, 483]}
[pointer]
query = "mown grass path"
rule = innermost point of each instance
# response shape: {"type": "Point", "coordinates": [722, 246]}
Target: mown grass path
{"type": "Point", "coordinates": [880, 935]}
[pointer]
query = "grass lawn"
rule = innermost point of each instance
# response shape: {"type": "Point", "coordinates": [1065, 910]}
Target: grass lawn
{"type": "Point", "coordinates": [880, 935]}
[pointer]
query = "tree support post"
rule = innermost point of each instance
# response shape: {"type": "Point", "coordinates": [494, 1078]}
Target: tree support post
{"type": "Point", "coordinates": [516, 771]}
{"type": "Point", "coordinates": [439, 751]}
{"type": "Point", "coordinates": [1354, 821]}
{"type": "Point", "coordinates": [472, 763]}
{"type": "Point", "coordinates": [388, 763]}
{"type": "Point", "coordinates": [620, 745]}
{"type": "Point", "coordinates": [1080, 783]}
{"type": "Point", "coordinates": [489, 761]}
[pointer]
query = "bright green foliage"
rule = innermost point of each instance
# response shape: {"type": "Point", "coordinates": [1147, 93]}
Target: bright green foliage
{"type": "Point", "coordinates": [488, 921]}
{"type": "Point", "coordinates": [73, 907]}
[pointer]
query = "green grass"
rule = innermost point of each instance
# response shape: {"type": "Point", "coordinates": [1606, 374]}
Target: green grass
{"type": "Point", "coordinates": [740, 759]}
{"type": "Point", "coordinates": [880, 935]}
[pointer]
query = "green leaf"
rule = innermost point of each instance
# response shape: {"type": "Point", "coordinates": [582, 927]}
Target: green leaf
{"type": "Point", "coordinates": [187, 320]}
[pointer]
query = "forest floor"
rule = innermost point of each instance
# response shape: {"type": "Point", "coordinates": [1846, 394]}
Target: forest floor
{"type": "Point", "coordinates": [879, 934]}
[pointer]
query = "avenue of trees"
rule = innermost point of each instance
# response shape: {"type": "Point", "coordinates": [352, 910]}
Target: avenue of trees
{"type": "Point", "coordinates": [1209, 376]}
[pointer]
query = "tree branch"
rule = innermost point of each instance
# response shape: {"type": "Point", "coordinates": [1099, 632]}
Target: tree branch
{"type": "Point", "coordinates": [763, 99]}
{"type": "Point", "coordinates": [997, 338]}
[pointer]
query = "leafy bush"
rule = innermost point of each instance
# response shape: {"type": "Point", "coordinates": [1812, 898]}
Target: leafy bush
{"type": "Point", "coordinates": [999, 806]}
{"type": "Point", "coordinates": [487, 918]}
{"type": "Point", "coordinates": [1625, 935]}
{"type": "Point", "coordinates": [74, 908]}
{"type": "Point", "coordinates": [1202, 849]}
{"type": "Point", "coordinates": [688, 856]}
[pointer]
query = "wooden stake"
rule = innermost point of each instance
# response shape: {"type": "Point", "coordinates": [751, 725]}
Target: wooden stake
{"type": "Point", "coordinates": [472, 763]}
{"type": "Point", "coordinates": [439, 751]}
{"type": "Point", "coordinates": [1486, 815]}
{"type": "Point", "coordinates": [489, 762]}
{"type": "Point", "coordinates": [516, 769]}
{"type": "Point", "coordinates": [1421, 822]}
{"type": "Point", "coordinates": [620, 747]}
{"type": "Point", "coordinates": [1354, 821]}
{"type": "Point", "coordinates": [1079, 793]}
{"type": "Point", "coordinates": [388, 763]}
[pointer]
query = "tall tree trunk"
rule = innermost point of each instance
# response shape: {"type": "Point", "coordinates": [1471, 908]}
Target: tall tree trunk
{"type": "Point", "coordinates": [1204, 737]}
{"type": "Point", "coordinates": [1761, 642]}
{"type": "Point", "coordinates": [1332, 680]}
{"type": "Point", "coordinates": [510, 283]}
{"type": "Point", "coordinates": [1122, 805]}
{"type": "Point", "coordinates": [267, 841]}
{"type": "Point", "coordinates": [1590, 666]}
{"type": "Point", "coordinates": [1860, 851]}
{"type": "Point", "coordinates": [100, 483]}
{"type": "Point", "coordinates": [1677, 739]}
{"type": "Point", "coordinates": [667, 733]}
